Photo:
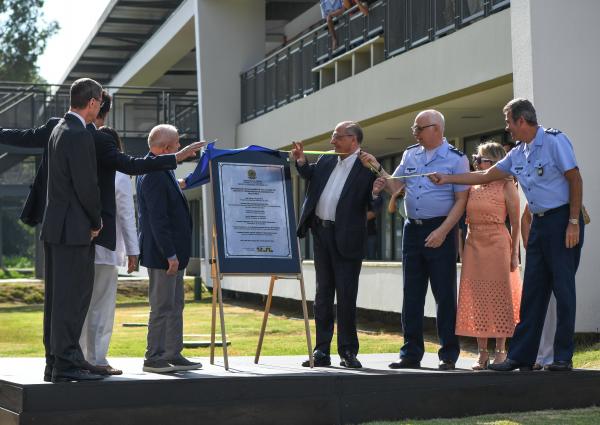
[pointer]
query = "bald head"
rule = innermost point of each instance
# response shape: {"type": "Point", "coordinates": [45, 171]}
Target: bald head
{"type": "Point", "coordinates": [434, 117]}
{"type": "Point", "coordinates": [163, 138]}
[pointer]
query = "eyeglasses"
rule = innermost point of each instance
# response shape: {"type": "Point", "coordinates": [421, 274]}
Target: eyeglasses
{"type": "Point", "coordinates": [479, 159]}
{"type": "Point", "coordinates": [335, 136]}
{"type": "Point", "coordinates": [417, 129]}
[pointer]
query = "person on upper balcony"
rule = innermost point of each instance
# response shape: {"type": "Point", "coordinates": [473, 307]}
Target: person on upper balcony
{"type": "Point", "coordinates": [332, 8]}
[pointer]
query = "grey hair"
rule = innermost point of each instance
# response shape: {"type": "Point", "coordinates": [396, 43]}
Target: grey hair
{"type": "Point", "coordinates": [491, 149]}
{"type": "Point", "coordinates": [354, 129]}
{"type": "Point", "coordinates": [521, 107]}
{"type": "Point", "coordinates": [161, 134]}
{"type": "Point", "coordinates": [436, 117]}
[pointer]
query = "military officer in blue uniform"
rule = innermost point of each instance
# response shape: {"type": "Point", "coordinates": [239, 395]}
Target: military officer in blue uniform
{"type": "Point", "coordinates": [544, 164]}
{"type": "Point", "coordinates": [428, 240]}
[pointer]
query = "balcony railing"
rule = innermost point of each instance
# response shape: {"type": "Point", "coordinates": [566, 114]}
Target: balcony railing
{"type": "Point", "coordinates": [392, 26]}
{"type": "Point", "coordinates": [134, 112]}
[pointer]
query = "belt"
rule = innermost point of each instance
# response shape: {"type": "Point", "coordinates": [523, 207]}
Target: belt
{"type": "Point", "coordinates": [551, 211]}
{"type": "Point", "coordinates": [425, 221]}
{"type": "Point", "coordinates": [324, 223]}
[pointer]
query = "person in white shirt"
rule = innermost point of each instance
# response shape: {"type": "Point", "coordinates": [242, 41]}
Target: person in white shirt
{"type": "Point", "coordinates": [335, 210]}
{"type": "Point", "coordinates": [98, 326]}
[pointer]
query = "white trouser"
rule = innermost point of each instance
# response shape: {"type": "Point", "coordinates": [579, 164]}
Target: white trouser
{"type": "Point", "coordinates": [98, 325]}
{"type": "Point", "coordinates": [545, 354]}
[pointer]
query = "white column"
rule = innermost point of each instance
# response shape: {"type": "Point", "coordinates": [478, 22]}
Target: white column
{"type": "Point", "coordinates": [230, 37]}
{"type": "Point", "coordinates": [555, 65]}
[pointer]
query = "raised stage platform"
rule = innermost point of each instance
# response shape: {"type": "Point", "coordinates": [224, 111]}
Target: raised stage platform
{"type": "Point", "coordinates": [280, 391]}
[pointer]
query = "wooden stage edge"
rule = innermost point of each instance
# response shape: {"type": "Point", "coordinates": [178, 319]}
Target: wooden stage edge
{"type": "Point", "coordinates": [279, 391]}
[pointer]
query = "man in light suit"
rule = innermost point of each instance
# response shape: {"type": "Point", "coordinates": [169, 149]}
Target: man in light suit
{"type": "Point", "coordinates": [71, 221]}
{"type": "Point", "coordinates": [165, 244]}
{"type": "Point", "coordinates": [335, 209]}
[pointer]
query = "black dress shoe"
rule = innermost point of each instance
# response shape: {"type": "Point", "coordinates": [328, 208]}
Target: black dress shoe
{"type": "Point", "coordinates": [560, 366]}
{"type": "Point", "coordinates": [350, 361]}
{"type": "Point", "coordinates": [320, 359]}
{"type": "Point", "coordinates": [446, 365]}
{"type": "Point", "coordinates": [71, 375]}
{"type": "Point", "coordinates": [48, 373]}
{"type": "Point", "coordinates": [405, 363]}
{"type": "Point", "coordinates": [509, 365]}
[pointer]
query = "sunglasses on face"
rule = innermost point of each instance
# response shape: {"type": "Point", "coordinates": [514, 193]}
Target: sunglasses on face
{"type": "Point", "coordinates": [477, 159]}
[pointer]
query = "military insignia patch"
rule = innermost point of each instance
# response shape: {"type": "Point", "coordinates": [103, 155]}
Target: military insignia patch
{"type": "Point", "coordinates": [552, 131]}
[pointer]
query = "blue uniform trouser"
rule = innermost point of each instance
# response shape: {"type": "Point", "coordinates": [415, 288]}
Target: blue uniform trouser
{"type": "Point", "coordinates": [420, 265]}
{"type": "Point", "coordinates": [550, 268]}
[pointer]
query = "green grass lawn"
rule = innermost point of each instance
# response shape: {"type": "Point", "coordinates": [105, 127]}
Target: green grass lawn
{"type": "Point", "coordinates": [589, 416]}
{"type": "Point", "coordinates": [21, 331]}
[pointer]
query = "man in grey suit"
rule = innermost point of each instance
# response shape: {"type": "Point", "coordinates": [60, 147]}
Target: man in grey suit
{"type": "Point", "coordinates": [71, 221]}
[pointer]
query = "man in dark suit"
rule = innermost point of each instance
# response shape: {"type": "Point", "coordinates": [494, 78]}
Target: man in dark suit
{"type": "Point", "coordinates": [335, 209]}
{"type": "Point", "coordinates": [71, 220]}
{"type": "Point", "coordinates": [165, 230]}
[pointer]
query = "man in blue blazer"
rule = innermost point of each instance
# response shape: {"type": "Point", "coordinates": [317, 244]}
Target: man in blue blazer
{"type": "Point", "coordinates": [335, 209]}
{"type": "Point", "coordinates": [165, 231]}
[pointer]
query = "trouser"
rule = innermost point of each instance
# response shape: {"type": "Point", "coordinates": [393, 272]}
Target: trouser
{"type": "Point", "coordinates": [438, 266]}
{"type": "Point", "coordinates": [550, 268]}
{"type": "Point", "coordinates": [165, 325]}
{"type": "Point", "coordinates": [336, 277]}
{"type": "Point", "coordinates": [69, 279]}
{"type": "Point", "coordinates": [98, 325]}
{"type": "Point", "coordinates": [545, 354]}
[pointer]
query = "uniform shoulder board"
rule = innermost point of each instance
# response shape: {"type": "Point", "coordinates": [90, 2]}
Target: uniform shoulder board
{"type": "Point", "coordinates": [456, 151]}
{"type": "Point", "coordinates": [416, 145]}
{"type": "Point", "coordinates": [553, 131]}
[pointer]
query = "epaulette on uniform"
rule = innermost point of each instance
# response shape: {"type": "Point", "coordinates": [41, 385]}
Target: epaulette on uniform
{"type": "Point", "coordinates": [416, 145]}
{"type": "Point", "coordinates": [456, 151]}
{"type": "Point", "coordinates": [552, 131]}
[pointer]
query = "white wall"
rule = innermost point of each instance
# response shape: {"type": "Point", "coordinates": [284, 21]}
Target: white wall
{"type": "Point", "coordinates": [230, 37]}
{"type": "Point", "coordinates": [379, 288]}
{"type": "Point", "coordinates": [476, 54]}
{"type": "Point", "coordinates": [556, 63]}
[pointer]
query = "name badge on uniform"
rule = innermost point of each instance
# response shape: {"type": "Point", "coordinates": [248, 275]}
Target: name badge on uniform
{"type": "Point", "coordinates": [539, 168]}
{"type": "Point", "coordinates": [410, 170]}
{"type": "Point", "coordinates": [517, 169]}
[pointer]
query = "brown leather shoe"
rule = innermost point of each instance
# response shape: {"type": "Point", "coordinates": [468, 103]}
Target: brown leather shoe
{"type": "Point", "coordinates": [97, 370]}
{"type": "Point", "coordinates": [109, 370]}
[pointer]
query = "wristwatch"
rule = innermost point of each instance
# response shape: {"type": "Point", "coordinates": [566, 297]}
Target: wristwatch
{"type": "Point", "coordinates": [574, 221]}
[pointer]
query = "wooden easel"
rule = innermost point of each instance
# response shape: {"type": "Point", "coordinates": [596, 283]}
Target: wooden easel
{"type": "Point", "coordinates": [300, 277]}
{"type": "Point", "coordinates": [217, 294]}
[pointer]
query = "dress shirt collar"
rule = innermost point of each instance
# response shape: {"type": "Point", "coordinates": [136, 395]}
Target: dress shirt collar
{"type": "Point", "coordinates": [349, 160]}
{"type": "Point", "coordinates": [441, 150]}
{"type": "Point", "coordinates": [78, 116]}
{"type": "Point", "coordinates": [539, 136]}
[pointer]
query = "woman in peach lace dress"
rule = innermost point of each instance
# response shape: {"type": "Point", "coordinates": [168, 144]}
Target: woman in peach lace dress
{"type": "Point", "coordinates": [490, 285]}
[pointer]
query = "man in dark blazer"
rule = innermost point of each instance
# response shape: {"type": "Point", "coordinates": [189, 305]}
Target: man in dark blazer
{"type": "Point", "coordinates": [71, 221]}
{"type": "Point", "coordinates": [165, 232]}
{"type": "Point", "coordinates": [335, 209]}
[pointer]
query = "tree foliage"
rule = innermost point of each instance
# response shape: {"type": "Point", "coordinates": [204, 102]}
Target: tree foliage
{"type": "Point", "coordinates": [23, 37]}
